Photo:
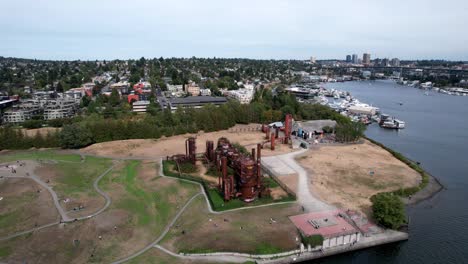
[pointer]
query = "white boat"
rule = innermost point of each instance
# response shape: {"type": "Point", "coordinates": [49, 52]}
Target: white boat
{"type": "Point", "coordinates": [389, 122]}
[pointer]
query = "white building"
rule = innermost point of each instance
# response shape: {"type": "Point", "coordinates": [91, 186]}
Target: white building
{"type": "Point", "coordinates": [244, 96]}
{"type": "Point", "coordinates": [205, 92]}
{"type": "Point", "coordinates": [60, 108]}
{"type": "Point", "coordinates": [16, 116]}
{"type": "Point", "coordinates": [140, 106]}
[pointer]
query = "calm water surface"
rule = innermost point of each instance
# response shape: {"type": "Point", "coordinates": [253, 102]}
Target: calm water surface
{"type": "Point", "coordinates": [436, 135]}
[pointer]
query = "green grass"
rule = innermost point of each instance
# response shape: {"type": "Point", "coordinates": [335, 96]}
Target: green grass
{"type": "Point", "coordinates": [149, 207]}
{"type": "Point", "coordinates": [34, 155]}
{"type": "Point", "coordinates": [79, 177]}
{"type": "Point", "coordinates": [9, 219]}
{"type": "Point", "coordinates": [214, 196]}
{"type": "Point", "coordinates": [5, 251]}
{"type": "Point", "coordinates": [265, 248]}
{"type": "Point", "coordinates": [270, 182]}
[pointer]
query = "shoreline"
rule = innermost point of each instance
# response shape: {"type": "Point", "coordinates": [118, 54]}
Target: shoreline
{"type": "Point", "coordinates": [429, 190]}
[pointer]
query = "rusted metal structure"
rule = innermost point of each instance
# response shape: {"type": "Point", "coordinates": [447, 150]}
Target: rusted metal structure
{"type": "Point", "coordinates": [272, 134]}
{"type": "Point", "coordinates": [190, 152]}
{"type": "Point", "coordinates": [240, 174]}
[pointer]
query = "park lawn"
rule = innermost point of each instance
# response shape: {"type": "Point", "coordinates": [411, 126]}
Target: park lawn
{"type": "Point", "coordinates": [5, 251]}
{"type": "Point", "coordinates": [42, 154]}
{"type": "Point", "coordinates": [245, 231]}
{"type": "Point", "coordinates": [16, 214]}
{"type": "Point", "coordinates": [76, 178]}
{"type": "Point", "coordinates": [148, 202]}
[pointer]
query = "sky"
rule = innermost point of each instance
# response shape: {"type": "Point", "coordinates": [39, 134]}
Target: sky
{"type": "Point", "coordinates": [258, 29]}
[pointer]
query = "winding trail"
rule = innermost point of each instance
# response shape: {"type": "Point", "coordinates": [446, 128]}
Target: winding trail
{"type": "Point", "coordinates": [161, 236]}
{"type": "Point", "coordinates": [63, 214]}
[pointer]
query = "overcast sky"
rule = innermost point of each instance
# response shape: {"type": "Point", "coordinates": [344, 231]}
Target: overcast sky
{"type": "Point", "coordinates": [266, 29]}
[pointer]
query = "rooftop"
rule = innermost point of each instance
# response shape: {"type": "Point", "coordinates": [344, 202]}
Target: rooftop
{"type": "Point", "coordinates": [325, 223]}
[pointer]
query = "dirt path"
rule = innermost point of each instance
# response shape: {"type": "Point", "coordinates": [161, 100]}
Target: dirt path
{"type": "Point", "coordinates": [28, 173]}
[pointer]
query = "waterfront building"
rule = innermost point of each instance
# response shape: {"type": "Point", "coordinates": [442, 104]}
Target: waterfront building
{"type": "Point", "coordinates": [355, 59]}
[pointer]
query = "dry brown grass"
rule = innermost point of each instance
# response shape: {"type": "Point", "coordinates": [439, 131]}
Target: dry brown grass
{"type": "Point", "coordinates": [150, 148]}
{"type": "Point", "coordinates": [341, 175]}
{"type": "Point", "coordinates": [55, 244]}
{"type": "Point", "coordinates": [22, 206]}
{"type": "Point", "coordinates": [208, 232]}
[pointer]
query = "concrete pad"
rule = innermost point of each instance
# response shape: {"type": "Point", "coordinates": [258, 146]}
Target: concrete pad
{"type": "Point", "coordinates": [276, 166]}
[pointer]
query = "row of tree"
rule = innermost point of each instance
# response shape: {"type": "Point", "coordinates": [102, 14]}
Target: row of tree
{"type": "Point", "coordinates": [101, 126]}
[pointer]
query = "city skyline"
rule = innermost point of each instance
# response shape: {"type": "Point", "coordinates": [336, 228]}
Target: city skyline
{"type": "Point", "coordinates": [245, 29]}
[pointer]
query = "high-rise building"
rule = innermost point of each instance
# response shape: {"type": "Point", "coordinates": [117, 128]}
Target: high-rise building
{"type": "Point", "coordinates": [366, 58]}
{"type": "Point", "coordinates": [312, 60]}
{"type": "Point", "coordinates": [348, 58]}
{"type": "Point", "coordinates": [385, 62]}
{"type": "Point", "coordinates": [395, 62]}
{"type": "Point", "coordinates": [355, 59]}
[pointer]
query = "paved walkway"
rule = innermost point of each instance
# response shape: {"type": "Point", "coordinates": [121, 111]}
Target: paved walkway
{"type": "Point", "coordinates": [304, 195]}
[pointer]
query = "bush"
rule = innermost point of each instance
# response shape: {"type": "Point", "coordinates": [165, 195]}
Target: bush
{"type": "Point", "coordinates": [187, 167]}
{"type": "Point", "coordinates": [313, 240]}
{"type": "Point", "coordinates": [241, 148]}
{"type": "Point", "coordinates": [388, 210]}
{"type": "Point", "coordinates": [31, 124]}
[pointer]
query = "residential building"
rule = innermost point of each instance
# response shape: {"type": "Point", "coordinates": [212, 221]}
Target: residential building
{"type": "Point", "coordinates": [122, 87]}
{"type": "Point", "coordinates": [205, 92]}
{"type": "Point", "coordinates": [20, 115]}
{"type": "Point", "coordinates": [140, 106]}
{"type": "Point", "coordinates": [60, 108]}
{"type": "Point", "coordinates": [244, 96]}
{"type": "Point", "coordinates": [193, 89]}
{"type": "Point", "coordinates": [313, 60]}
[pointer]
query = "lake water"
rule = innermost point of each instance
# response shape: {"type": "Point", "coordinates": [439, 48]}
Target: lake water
{"type": "Point", "coordinates": [436, 135]}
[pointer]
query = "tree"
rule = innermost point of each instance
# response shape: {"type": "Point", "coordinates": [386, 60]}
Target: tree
{"type": "Point", "coordinates": [31, 124]}
{"type": "Point", "coordinates": [388, 210]}
{"type": "Point", "coordinates": [59, 87]}
{"type": "Point", "coordinates": [114, 98]}
{"type": "Point", "coordinates": [349, 131]}
{"type": "Point", "coordinates": [75, 136]}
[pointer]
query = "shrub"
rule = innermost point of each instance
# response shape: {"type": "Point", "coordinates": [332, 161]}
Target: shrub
{"type": "Point", "coordinates": [313, 240]}
{"type": "Point", "coordinates": [31, 124]}
{"type": "Point", "coordinates": [388, 210]}
{"type": "Point", "coordinates": [187, 167]}
{"type": "Point", "coordinates": [241, 148]}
